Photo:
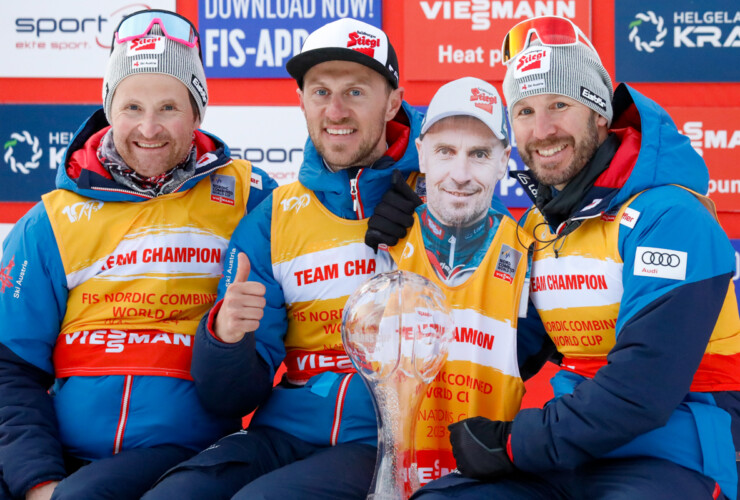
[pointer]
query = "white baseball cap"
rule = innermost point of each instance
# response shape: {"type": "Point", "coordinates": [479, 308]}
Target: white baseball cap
{"type": "Point", "coordinates": [468, 96]}
{"type": "Point", "coordinates": [346, 40]}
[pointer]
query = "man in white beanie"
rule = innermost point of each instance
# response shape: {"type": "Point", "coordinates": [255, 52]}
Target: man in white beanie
{"type": "Point", "coordinates": [108, 277]}
{"type": "Point", "coordinates": [632, 280]}
{"type": "Point", "coordinates": [474, 254]}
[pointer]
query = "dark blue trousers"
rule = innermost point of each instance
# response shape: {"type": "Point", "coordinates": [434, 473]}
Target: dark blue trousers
{"type": "Point", "coordinates": [622, 479]}
{"type": "Point", "coordinates": [125, 476]}
{"type": "Point", "coordinates": [263, 463]}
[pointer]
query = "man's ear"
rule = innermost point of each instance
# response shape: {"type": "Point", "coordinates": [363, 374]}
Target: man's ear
{"type": "Point", "coordinates": [300, 99]}
{"type": "Point", "coordinates": [419, 150]}
{"type": "Point", "coordinates": [394, 103]}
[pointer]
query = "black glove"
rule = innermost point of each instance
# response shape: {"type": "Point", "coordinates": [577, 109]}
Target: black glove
{"type": "Point", "coordinates": [393, 215]}
{"type": "Point", "coordinates": [479, 447]}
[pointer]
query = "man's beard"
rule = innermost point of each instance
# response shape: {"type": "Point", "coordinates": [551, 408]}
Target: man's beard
{"type": "Point", "coordinates": [339, 157]}
{"type": "Point", "coordinates": [582, 154]}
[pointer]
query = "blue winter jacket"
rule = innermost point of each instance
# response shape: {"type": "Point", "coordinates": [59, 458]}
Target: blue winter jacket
{"type": "Point", "coordinates": [663, 325]}
{"type": "Point", "coordinates": [166, 410]}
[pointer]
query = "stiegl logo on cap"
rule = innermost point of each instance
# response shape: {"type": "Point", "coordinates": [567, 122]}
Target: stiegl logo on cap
{"type": "Point", "coordinates": [533, 61]}
{"type": "Point", "coordinates": [146, 45]}
{"type": "Point", "coordinates": [363, 42]}
{"type": "Point", "coordinates": [483, 99]}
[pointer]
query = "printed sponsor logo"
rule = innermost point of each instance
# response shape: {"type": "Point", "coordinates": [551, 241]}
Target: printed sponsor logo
{"type": "Point", "coordinates": [659, 30]}
{"type": "Point", "coordinates": [408, 251]}
{"type": "Point", "coordinates": [32, 143]}
{"type": "Point", "coordinates": [296, 203]}
{"type": "Point", "coordinates": [255, 180]}
{"type": "Point", "coordinates": [144, 63]}
{"type": "Point", "coordinates": [436, 230]}
{"type": "Point", "coordinates": [146, 45]}
{"type": "Point", "coordinates": [533, 85]}
{"type": "Point", "coordinates": [5, 279]}
{"type": "Point", "coordinates": [533, 61]}
{"type": "Point", "coordinates": [710, 139]}
{"type": "Point", "coordinates": [206, 159]}
{"type": "Point", "coordinates": [660, 263]}
{"type": "Point", "coordinates": [200, 88]}
{"type": "Point", "coordinates": [223, 189]}
{"type": "Point", "coordinates": [594, 98]}
{"type": "Point", "coordinates": [483, 99]}
{"type": "Point", "coordinates": [115, 341]}
{"type": "Point", "coordinates": [508, 260]}
{"type": "Point", "coordinates": [629, 217]}
{"type": "Point", "coordinates": [77, 211]}
{"type": "Point", "coordinates": [363, 42]}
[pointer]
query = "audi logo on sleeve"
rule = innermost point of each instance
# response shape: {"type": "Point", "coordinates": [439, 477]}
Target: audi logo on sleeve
{"type": "Point", "coordinates": [660, 263]}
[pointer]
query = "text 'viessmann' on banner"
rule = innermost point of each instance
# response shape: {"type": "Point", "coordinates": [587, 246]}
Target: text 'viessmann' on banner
{"type": "Point", "coordinates": [255, 38]}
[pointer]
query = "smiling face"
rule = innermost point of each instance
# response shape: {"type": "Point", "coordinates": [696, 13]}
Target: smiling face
{"type": "Point", "coordinates": [153, 122]}
{"type": "Point", "coordinates": [347, 106]}
{"type": "Point", "coordinates": [556, 136]}
{"type": "Point", "coordinates": [462, 161]}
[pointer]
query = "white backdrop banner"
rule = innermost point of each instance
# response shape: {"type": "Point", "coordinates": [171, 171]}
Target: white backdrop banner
{"type": "Point", "coordinates": [271, 137]}
{"type": "Point", "coordinates": [62, 38]}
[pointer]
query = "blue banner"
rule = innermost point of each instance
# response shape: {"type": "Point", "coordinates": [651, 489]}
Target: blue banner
{"type": "Point", "coordinates": [255, 38]}
{"type": "Point", "coordinates": [34, 139]}
{"type": "Point", "coordinates": [677, 41]}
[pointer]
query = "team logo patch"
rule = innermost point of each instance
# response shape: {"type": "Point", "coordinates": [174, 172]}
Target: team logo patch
{"type": "Point", "coordinates": [296, 203]}
{"type": "Point", "coordinates": [223, 189]}
{"type": "Point", "coordinates": [483, 99]}
{"type": "Point", "coordinates": [363, 42]}
{"type": "Point", "coordinates": [533, 85]}
{"type": "Point", "coordinates": [146, 45]}
{"type": "Point", "coordinates": [6, 280]}
{"type": "Point", "coordinates": [255, 180]}
{"type": "Point", "coordinates": [629, 218]}
{"type": "Point", "coordinates": [660, 263]}
{"type": "Point", "coordinates": [83, 209]}
{"type": "Point", "coordinates": [144, 63]}
{"type": "Point", "coordinates": [533, 61]}
{"type": "Point", "coordinates": [594, 98]}
{"type": "Point", "coordinates": [508, 260]}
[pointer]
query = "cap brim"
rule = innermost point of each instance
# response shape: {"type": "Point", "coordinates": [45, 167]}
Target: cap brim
{"type": "Point", "coordinates": [299, 64]}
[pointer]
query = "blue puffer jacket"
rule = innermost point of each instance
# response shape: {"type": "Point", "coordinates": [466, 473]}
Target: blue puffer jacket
{"type": "Point", "coordinates": [36, 428]}
{"type": "Point", "coordinates": [660, 391]}
{"type": "Point", "coordinates": [248, 366]}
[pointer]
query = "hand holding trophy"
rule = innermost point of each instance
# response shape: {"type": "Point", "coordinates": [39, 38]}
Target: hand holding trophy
{"type": "Point", "coordinates": [396, 329]}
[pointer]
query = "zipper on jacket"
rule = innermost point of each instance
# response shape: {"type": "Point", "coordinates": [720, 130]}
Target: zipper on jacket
{"type": "Point", "coordinates": [123, 417]}
{"type": "Point", "coordinates": [355, 194]}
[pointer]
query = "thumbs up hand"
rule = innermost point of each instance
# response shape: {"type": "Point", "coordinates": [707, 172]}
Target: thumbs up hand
{"type": "Point", "coordinates": [243, 305]}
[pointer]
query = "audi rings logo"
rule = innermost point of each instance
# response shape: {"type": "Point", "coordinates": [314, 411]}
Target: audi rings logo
{"type": "Point", "coordinates": [661, 259]}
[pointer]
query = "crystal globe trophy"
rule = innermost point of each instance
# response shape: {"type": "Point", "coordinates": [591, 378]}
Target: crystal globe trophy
{"type": "Point", "coordinates": [396, 329]}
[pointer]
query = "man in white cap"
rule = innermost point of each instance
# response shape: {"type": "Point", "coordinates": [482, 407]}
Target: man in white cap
{"type": "Point", "coordinates": [314, 435]}
{"type": "Point", "coordinates": [473, 253]}
{"type": "Point", "coordinates": [110, 276]}
{"type": "Point", "coordinates": [642, 311]}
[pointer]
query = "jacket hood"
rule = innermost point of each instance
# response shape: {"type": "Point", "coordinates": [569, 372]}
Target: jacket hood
{"type": "Point", "coordinates": [333, 188]}
{"type": "Point", "coordinates": [663, 155]}
{"type": "Point", "coordinates": [82, 172]}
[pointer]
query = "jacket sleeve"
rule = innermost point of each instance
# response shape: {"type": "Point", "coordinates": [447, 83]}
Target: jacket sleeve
{"type": "Point", "coordinates": [233, 379]}
{"type": "Point", "coordinates": [32, 305]}
{"type": "Point", "coordinates": [534, 347]}
{"type": "Point", "coordinates": [663, 327]}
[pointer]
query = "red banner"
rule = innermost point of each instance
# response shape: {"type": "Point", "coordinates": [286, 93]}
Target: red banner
{"type": "Point", "coordinates": [448, 39]}
{"type": "Point", "coordinates": [715, 134]}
